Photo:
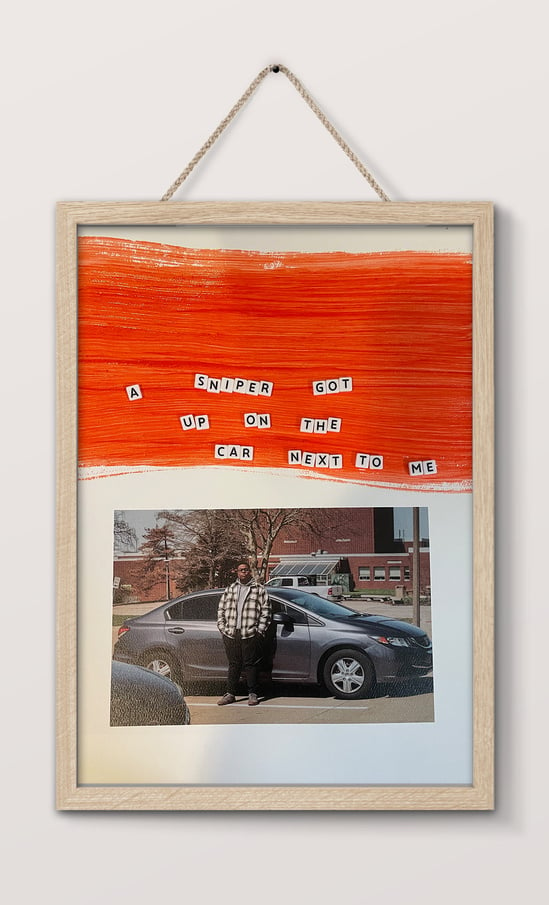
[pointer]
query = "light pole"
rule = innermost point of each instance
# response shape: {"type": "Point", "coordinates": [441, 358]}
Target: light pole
{"type": "Point", "coordinates": [416, 603]}
{"type": "Point", "coordinates": [167, 567]}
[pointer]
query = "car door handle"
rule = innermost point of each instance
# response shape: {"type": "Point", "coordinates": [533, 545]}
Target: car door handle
{"type": "Point", "coordinates": [177, 630]}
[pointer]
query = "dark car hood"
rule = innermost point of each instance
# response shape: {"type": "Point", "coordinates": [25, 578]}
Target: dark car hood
{"type": "Point", "coordinates": [361, 621]}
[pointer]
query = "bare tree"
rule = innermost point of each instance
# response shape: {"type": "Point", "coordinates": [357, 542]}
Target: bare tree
{"type": "Point", "coordinates": [210, 543]}
{"type": "Point", "coordinates": [125, 537]}
{"type": "Point", "coordinates": [159, 548]}
{"type": "Point", "coordinates": [259, 529]}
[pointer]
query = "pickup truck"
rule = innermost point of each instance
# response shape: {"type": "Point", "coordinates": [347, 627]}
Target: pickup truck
{"type": "Point", "coordinates": [330, 591]}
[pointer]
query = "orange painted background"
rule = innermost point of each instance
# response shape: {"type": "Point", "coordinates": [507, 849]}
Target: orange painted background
{"type": "Point", "coordinates": [398, 323]}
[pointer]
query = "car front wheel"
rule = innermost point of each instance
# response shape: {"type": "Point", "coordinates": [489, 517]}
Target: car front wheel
{"type": "Point", "coordinates": [349, 674]}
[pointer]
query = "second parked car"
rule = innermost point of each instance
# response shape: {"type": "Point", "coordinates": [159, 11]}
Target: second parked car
{"type": "Point", "coordinates": [311, 640]}
{"type": "Point", "coordinates": [141, 698]}
{"type": "Point", "coordinates": [330, 591]}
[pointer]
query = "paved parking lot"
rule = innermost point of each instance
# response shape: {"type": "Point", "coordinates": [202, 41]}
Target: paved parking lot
{"type": "Point", "coordinates": [408, 703]}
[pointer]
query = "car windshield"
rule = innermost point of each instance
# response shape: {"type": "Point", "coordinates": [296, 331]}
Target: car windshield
{"type": "Point", "coordinates": [317, 605]}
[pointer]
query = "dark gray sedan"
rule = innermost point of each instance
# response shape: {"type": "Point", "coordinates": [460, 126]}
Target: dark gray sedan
{"type": "Point", "coordinates": [140, 698]}
{"type": "Point", "coordinates": [310, 640]}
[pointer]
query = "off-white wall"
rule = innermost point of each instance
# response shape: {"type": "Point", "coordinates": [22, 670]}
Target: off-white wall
{"type": "Point", "coordinates": [109, 101]}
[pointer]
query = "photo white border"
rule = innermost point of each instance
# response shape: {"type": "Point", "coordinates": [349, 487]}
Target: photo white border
{"type": "Point", "coordinates": [401, 753]}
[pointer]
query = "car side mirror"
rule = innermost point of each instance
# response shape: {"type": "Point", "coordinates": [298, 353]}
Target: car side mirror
{"type": "Point", "coordinates": [282, 618]}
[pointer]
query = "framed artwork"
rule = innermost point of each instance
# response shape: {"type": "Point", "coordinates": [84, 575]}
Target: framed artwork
{"type": "Point", "coordinates": [305, 389]}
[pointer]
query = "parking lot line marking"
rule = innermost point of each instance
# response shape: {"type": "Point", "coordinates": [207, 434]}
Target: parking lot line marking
{"type": "Point", "coordinates": [285, 706]}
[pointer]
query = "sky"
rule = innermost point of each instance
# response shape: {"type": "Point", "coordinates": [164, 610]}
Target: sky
{"type": "Point", "coordinates": [403, 523]}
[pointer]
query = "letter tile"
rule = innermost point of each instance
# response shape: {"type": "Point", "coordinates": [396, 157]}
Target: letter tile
{"type": "Point", "coordinates": [294, 457]}
{"type": "Point", "coordinates": [247, 453]}
{"type": "Point", "coordinates": [309, 459]}
{"type": "Point", "coordinates": [214, 384]}
{"type": "Point", "coordinates": [265, 388]}
{"type": "Point", "coordinates": [376, 462]}
{"type": "Point", "coordinates": [220, 451]}
{"type": "Point", "coordinates": [264, 420]}
{"type": "Point", "coordinates": [334, 424]}
{"type": "Point", "coordinates": [202, 423]}
{"type": "Point", "coordinates": [319, 388]}
{"type": "Point", "coordinates": [415, 468]}
{"type": "Point", "coordinates": [227, 385]}
{"type": "Point", "coordinates": [429, 466]}
{"type": "Point", "coordinates": [332, 386]}
{"type": "Point", "coordinates": [336, 461]}
{"type": "Point", "coordinates": [250, 419]}
{"type": "Point", "coordinates": [234, 452]}
{"type": "Point", "coordinates": [134, 392]}
{"type": "Point", "coordinates": [240, 385]}
{"type": "Point", "coordinates": [320, 426]}
{"type": "Point", "coordinates": [307, 425]}
{"type": "Point", "coordinates": [200, 381]}
{"type": "Point", "coordinates": [252, 388]}
{"type": "Point", "coordinates": [187, 422]}
{"type": "Point", "coordinates": [345, 384]}
{"type": "Point", "coordinates": [322, 460]}
{"type": "Point", "coordinates": [362, 460]}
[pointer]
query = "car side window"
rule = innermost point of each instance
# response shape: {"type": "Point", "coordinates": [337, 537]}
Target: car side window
{"type": "Point", "coordinates": [297, 616]}
{"type": "Point", "coordinates": [195, 609]}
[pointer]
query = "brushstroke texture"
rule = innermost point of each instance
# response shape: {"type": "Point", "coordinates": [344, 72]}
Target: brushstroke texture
{"type": "Point", "coordinates": [398, 323]}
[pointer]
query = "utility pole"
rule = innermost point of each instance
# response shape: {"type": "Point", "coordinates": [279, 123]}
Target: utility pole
{"type": "Point", "coordinates": [416, 603]}
{"type": "Point", "coordinates": [167, 569]}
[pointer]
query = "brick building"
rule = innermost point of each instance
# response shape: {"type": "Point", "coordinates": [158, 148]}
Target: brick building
{"type": "Point", "coordinates": [357, 549]}
{"type": "Point", "coordinates": [136, 585]}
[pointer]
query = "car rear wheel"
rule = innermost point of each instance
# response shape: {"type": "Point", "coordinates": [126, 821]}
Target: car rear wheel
{"type": "Point", "coordinates": [162, 664]}
{"type": "Point", "coordinates": [349, 674]}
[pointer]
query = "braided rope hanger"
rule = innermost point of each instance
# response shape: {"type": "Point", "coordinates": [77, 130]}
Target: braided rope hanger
{"type": "Point", "coordinates": [242, 101]}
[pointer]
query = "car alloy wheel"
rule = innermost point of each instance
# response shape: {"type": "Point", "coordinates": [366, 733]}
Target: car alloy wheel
{"type": "Point", "coordinates": [160, 665]}
{"type": "Point", "coordinates": [348, 674]}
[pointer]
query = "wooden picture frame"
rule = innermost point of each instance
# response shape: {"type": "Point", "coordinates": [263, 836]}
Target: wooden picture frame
{"type": "Point", "coordinates": [73, 563]}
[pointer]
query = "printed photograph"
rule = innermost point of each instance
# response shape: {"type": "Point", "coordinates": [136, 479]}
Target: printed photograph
{"type": "Point", "coordinates": [245, 616]}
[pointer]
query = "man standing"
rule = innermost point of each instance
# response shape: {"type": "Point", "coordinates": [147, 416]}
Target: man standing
{"type": "Point", "coordinates": [243, 617]}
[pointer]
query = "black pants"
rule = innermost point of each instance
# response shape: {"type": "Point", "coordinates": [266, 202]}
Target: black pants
{"type": "Point", "coordinates": [242, 653]}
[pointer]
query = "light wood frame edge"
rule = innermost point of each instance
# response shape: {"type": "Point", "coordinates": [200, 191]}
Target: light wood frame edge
{"type": "Point", "coordinates": [478, 796]}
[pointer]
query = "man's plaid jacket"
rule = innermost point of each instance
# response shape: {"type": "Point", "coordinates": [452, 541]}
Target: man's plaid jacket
{"type": "Point", "coordinates": [256, 613]}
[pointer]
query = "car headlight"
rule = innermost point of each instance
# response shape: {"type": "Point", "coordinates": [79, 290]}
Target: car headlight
{"type": "Point", "coordinates": [391, 641]}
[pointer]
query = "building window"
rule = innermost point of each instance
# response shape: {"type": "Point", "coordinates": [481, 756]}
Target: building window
{"type": "Point", "coordinates": [379, 573]}
{"type": "Point", "coordinates": [290, 542]}
{"type": "Point", "coordinates": [406, 573]}
{"type": "Point", "coordinates": [394, 573]}
{"type": "Point", "coordinates": [364, 573]}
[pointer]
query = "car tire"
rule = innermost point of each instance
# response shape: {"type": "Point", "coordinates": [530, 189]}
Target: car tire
{"type": "Point", "coordinates": [162, 664]}
{"type": "Point", "coordinates": [348, 674]}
